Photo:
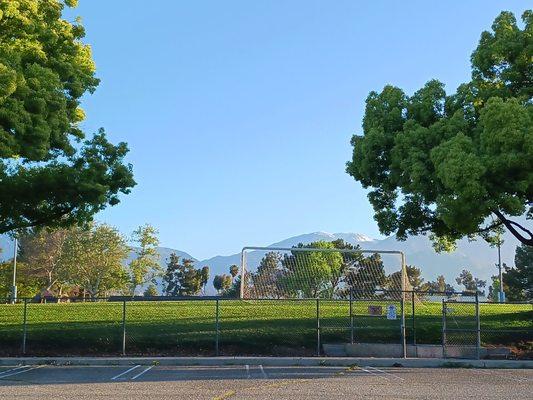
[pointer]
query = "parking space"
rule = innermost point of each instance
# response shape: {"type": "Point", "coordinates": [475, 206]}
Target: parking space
{"type": "Point", "coordinates": [47, 374]}
{"type": "Point", "coordinates": [258, 382]}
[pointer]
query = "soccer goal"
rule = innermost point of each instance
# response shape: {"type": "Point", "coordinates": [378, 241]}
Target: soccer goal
{"type": "Point", "coordinates": [301, 272]}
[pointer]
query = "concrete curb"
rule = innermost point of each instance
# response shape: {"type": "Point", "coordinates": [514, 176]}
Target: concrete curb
{"type": "Point", "coordinates": [272, 361]}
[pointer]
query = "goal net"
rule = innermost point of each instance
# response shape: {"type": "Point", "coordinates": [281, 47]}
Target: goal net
{"type": "Point", "coordinates": [301, 272]}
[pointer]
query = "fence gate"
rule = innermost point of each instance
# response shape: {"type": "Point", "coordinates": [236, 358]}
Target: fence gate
{"type": "Point", "coordinates": [373, 324]}
{"type": "Point", "coordinates": [461, 328]}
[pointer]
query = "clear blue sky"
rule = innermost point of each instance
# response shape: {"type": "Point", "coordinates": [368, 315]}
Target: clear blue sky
{"type": "Point", "coordinates": [239, 114]}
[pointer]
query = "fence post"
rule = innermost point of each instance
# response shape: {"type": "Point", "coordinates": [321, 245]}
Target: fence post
{"type": "Point", "coordinates": [124, 328]}
{"type": "Point", "coordinates": [351, 317]}
{"type": "Point", "coordinates": [478, 328]}
{"type": "Point", "coordinates": [404, 343]}
{"type": "Point", "coordinates": [217, 328]}
{"type": "Point", "coordinates": [443, 328]}
{"type": "Point", "coordinates": [318, 327]}
{"type": "Point", "coordinates": [24, 326]}
{"type": "Point", "coordinates": [413, 316]}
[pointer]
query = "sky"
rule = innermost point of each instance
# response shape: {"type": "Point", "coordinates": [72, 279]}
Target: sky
{"type": "Point", "coordinates": [239, 114]}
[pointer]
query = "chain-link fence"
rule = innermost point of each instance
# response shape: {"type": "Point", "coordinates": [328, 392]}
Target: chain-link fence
{"type": "Point", "coordinates": [460, 328]}
{"type": "Point", "coordinates": [459, 324]}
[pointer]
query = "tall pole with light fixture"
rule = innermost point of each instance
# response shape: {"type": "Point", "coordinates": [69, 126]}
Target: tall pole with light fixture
{"type": "Point", "coordinates": [14, 287]}
{"type": "Point", "coordinates": [501, 296]}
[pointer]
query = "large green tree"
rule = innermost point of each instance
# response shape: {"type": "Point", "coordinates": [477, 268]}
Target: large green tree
{"type": "Point", "coordinates": [50, 173]}
{"type": "Point", "coordinates": [311, 274]}
{"type": "Point", "coordinates": [28, 285]}
{"type": "Point", "coordinates": [366, 276]}
{"type": "Point", "coordinates": [181, 278]}
{"type": "Point", "coordinates": [43, 252]}
{"type": "Point", "coordinates": [94, 258]}
{"type": "Point", "coordinates": [145, 266]}
{"type": "Point", "coordinates": [222, 283]}
{"type": "Point", "coordinates": [470, 283]}
{"type": "Point", "coordinates": [267, 281]}
{"type": "Point", "coordinates": [443, 164]}
{"type": "Point", "coordinates": [519, 280]}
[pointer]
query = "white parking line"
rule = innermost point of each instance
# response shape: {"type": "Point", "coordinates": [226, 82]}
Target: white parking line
{"type": "Point", "coordinates": [379, 375]}
{"type": "Point", "coordinates": [385, 372]}
{"type": "Point", "coordinates": [265, 376]}
{"type": "Point", "coordinates": [125, 372]}
{"type": "Point", "coordinates": [13, 369]}
{"type": "Point", "coordinates": [247, 367]}
{"type": "Point", "coordinates": [20, 372]}
{"type": "Point", "coordinates": [142, 372]}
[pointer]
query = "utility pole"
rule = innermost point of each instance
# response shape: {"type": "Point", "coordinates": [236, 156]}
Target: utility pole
{"type": "Point", "coordinates": [14, 287]}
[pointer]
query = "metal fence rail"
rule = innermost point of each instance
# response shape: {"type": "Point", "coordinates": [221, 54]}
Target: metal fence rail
{"type": "Point", "coordinates": [287, 327]}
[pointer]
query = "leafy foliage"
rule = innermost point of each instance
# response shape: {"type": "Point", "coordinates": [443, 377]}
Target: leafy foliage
{"type": "Point", "coordinates": [367, 276]}
{"type": "Point", "coordinates": [204, 277]}
{"type": "Point", "coordinates": [518, 281]}
{"type": "Point", "coordinates": [234, 271]}
{"type": "Point", "coordinates": [43, 252]}
{"type": "Point", "coordinates": [307, 274]}
{"type": "Point", "coordinates": [269, 276]}
{"type": "Point", "coordinates": [181, 278]}
{"type": "Point", "coordinates": [50, 175]}
{"type": "Point", "coordinates": [151, 291]}
{"type": "Point", "coordinates": [470, 283]}
{"type": "Point", "coordinates": [145, 266]}
{"type": "Point", "coordinates": [438, 285]}
{"type": "Point", "coordinates": [27, 283]}
{"type": "Point", "coordinates": [222, 283]}
{"type": "Point", "coordinates": [442, 164]}
{"type": "Point", "coordinates": [94, 258]}
{"type": "Point", "coordinates": [414, 275]}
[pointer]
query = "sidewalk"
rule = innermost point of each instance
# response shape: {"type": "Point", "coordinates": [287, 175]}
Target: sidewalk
{"type": "Point", "coordinates": [272, 361]}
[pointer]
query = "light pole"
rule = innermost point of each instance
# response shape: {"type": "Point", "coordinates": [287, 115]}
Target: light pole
{"type": "Point", "coordinates": [14, 287]}
{"type": "Point", "coordinates": [501, 296]}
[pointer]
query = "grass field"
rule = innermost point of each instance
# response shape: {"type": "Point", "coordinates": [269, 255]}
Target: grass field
{"type": "Point", "coordinates": [245, 327]}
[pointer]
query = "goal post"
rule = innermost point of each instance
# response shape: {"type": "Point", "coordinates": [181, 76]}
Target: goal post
{"type": "Point", "coordinates": [302, 272]}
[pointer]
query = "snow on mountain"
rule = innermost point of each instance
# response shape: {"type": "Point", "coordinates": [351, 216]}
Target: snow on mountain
{"type": "Point", "coordinates": [353, 238]}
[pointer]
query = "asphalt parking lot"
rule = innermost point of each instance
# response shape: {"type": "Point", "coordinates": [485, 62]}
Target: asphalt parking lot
{"type": "Point", "coordinates": [258, 382]}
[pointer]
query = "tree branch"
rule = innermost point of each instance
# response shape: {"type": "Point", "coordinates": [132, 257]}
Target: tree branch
{"type": "Point", "coordinates": [512, 227]}
{"type": "Point", "coordinates": [490, 227]}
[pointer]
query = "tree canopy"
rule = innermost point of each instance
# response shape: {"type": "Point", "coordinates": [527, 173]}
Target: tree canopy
{"type": "Point", "coordinates": [50, 173]}
{"type": "Point", "coordinates": [94, 259]}
{"type": "Point", "coordinates": [311, 272]}
{"type": "Point", "coordinates": [145, 266]}
{"type": "Point", "coordinates": [470, 283]}
{"type": "Point", "coordinates": [443, 163]}
{"type": "Point", "coordinates": [181, 278]}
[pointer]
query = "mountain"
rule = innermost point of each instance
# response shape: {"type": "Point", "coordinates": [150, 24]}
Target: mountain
{"type": "Point", "coordinates": [354, 238]}
{"type": "Point", "coordinates": [164, 255]}
{"type": "Point", "coordinates": [475, 256]}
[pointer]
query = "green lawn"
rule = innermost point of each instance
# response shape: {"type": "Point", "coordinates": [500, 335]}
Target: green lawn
{"type": "Point", "coordinates": [245, 327]}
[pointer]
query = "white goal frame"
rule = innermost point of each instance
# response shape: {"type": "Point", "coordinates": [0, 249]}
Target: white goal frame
{"type": "Point", "coordinates": [322, 250]}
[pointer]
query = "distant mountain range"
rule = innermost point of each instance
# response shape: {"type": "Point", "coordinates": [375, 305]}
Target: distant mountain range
{"type": "Point", "coordinates": [475, 256]}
